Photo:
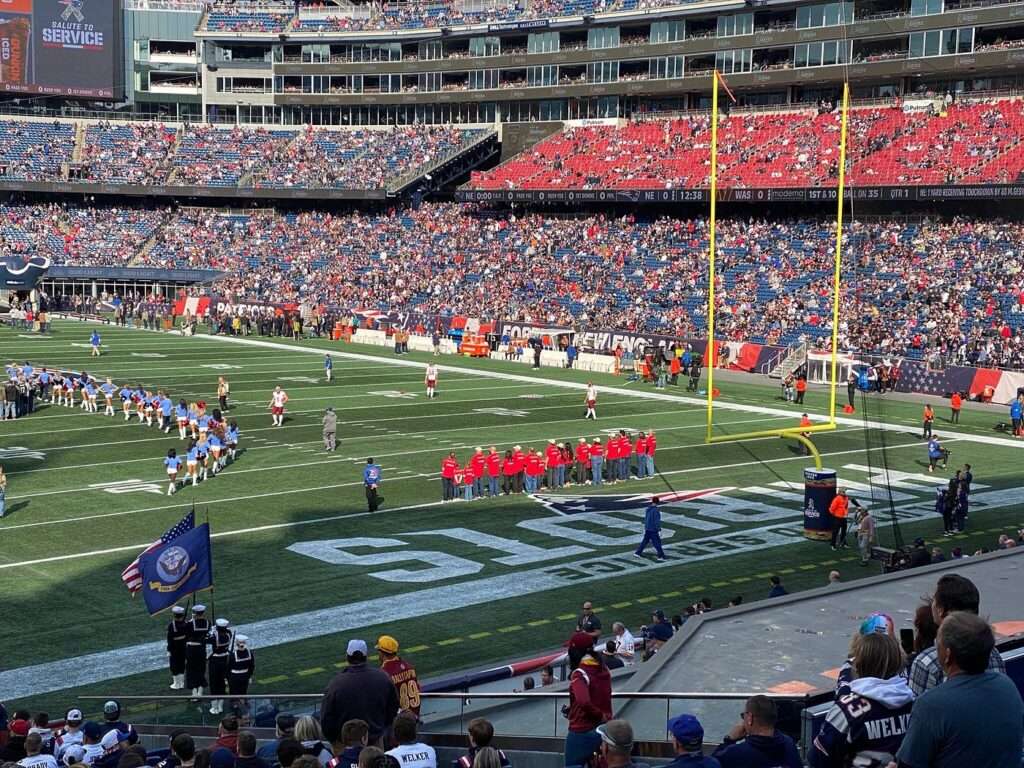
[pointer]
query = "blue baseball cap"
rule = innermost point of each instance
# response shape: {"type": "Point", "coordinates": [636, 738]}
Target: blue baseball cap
{"type": "Point", "coordinates": [92, 730]}
{"type": "Point", "coordinates": [687, 730]}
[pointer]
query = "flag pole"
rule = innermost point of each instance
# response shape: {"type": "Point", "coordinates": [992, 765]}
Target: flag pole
{"type": "Point", "coordinates": [213, 596]}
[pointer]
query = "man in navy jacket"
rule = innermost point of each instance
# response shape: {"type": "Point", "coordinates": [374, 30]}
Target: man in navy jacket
{"type": "Point", "coordinates": [754, 742]}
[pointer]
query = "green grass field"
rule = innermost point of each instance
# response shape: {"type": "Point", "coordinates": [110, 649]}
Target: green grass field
{"type": "Point", "coordinates": [461, 585]}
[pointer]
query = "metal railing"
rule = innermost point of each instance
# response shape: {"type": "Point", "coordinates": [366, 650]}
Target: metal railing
{"type": "Point", "coordinates": [537, 713]}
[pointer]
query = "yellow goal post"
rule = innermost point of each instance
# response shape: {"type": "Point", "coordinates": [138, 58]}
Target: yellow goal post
{"type": "Point", "coordinates": [710, 358]}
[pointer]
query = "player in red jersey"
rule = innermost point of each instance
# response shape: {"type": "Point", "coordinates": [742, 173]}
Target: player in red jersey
{"type": "Point", "coordinates": [402, 674]}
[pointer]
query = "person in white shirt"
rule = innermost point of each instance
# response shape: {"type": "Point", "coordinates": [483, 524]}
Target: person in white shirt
{"type": "Point", "coordinates": [591, 401]}
{"type": "Point", "coordinates": [430, 380]}
{"type": "Point", "coordinates": [625, 643]}
{"type": "Point", "coordinates": [277, 402]}
{"type": "Point", "coordinates": [91, 735]}
{"type": "Point", "coordinates": [411, 753]}
{"type": "Point", "coordinates": [70, 735]}
{"type": "Point", "coordinates": [33, 754]}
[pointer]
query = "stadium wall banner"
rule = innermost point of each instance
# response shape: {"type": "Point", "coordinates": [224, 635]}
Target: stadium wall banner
{"type": "Point", "coordinates": [759, 195]}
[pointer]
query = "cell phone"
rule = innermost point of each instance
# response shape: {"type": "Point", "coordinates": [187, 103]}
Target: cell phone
{"type": "Point", "coordinates": [907, 640]}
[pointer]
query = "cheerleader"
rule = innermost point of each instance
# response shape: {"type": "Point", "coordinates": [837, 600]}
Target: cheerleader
{"type": "Point", "coordinates": [193, 420]}
{"type": "Point", "coordinates": [203, 454]}
{"type": "Point", "coordinates": [57, 390]}
{"type": "Point", "coordinates": [89, 397]}
{"type": "Point", "coordinates": [215, 446]}
{"type": "Point", "coordinates": [139, 398]}
{"type": "Point", "coordinates": [108, 389]}
{"type": "Point", "coordinates": [70, 385]}
{"type": "Point", "coordinates": [192, 462]}
{"type": "Point", "coordinates": [231, 438]}
{"type": "Point", "coordinates": [126, 402]}
{"type": "Point", "coordinates": [173, 464]}
{"type": "Point", "coordinates": [203, 422]}
{"type": "Point", "coordinates": [147, 407]}
{"type": "Point", "coordinates": [181, 414]}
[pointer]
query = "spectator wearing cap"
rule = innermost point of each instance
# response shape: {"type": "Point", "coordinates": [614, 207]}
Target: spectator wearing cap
{"type": "Point", "coordinates": [481, 733]}
{"type": "Point", "coordinates": [70, 735]}
{"type": "Point", "coordinates": [589, 621]}
{"type": "Point", "coordinates": [402, 674]}
{"type": "Point", "coordinates": [617, 745]}
{"type": "Point", "coordinates": [34, 755]}
{"type": "Point", "coordinates": [112, 721]}
{"type": "Point", "coordinates": [113, 744]}
{"type": "Point", "coordinates": [284, 728]}
{"type": "Point", "coordinates": [354, 737]}
{"type": "Point", "coordinates": [590, 699]}
{"type": "Point", "coordinates": [952, 593]}
{"type": "Point", "coordinates": [14, 750]}
{"type": "Point", "coordinates": [975, 717]}
{"type": "Point", "coordinates": [754, 742]}
{"type": "Point", "coordinates": [247, 757]}
{"type": "Point", "coordinates": [359, 692]}
{"type": "Point", "coordinates": [688, 742]}
{"type": "Point", "coordinates": [660, 631]}
{"type": "Point", "coordinates": [92, 733]}
{"type": "Point", "coordinates": [72, 755]}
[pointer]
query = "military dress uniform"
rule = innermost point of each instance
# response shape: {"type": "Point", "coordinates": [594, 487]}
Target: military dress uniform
{"type": "Point", "coordinates": [220, 640]}
{"type": "Point", "coordinates": [241, 667]}
{"type": "Point", "coordinates": [177, 633]}
{"type": "Point", "coordinates": [197, 629]}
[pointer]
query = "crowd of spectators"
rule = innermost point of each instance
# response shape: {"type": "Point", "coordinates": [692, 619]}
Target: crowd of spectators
{"type": "Point", "coordinates": [963, 143]}
{"type": "Point", "coordinates": [156, 154]}
{"type": "Point", "coordinates": [590, 272]}
{"type": "Point", "coordinates": [949, 288]}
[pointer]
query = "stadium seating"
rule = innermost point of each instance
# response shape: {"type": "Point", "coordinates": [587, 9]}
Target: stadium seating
{"type": "Point", "coordinates": [35, 151]}
{"type": "Point", "coordinates": [971, 143]}
{"type": "Point", "coordinates": [915, 289]}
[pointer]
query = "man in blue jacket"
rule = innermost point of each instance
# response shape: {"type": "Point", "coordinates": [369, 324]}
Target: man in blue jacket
{"type": "Point", "coordinates": [652, 530]}
{"type": "Point", "coordinates": [688, 741]}
{"type": "Point", "coordinates": [754, 742]}
{"type": "Point", "coordinates": [371, 480]}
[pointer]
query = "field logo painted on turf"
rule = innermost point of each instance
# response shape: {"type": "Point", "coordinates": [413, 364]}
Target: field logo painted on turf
{"type": "Point", "coordinates": [129, 486]}
{"type": "Point", "coordinates": [393, 393]}
{"type": "Point", "coordinates": [301, 379]}
{"type": "Point", "coordinates": [21, 452]}
{"type": "Point", "coordinates": [221, 366]}
{"type": "Point", "coordinates": [502, 412]}
{"type": "Point", "coordinates": [148, 354]}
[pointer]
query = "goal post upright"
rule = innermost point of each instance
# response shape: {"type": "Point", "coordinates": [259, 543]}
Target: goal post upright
{"type": "Point", "coordinates": [795, 433]}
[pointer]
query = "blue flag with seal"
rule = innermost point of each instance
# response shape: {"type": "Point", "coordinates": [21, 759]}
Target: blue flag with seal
{"type": "Point", "coordinates": [177, 569]}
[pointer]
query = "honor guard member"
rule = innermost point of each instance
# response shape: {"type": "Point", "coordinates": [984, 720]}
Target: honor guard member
{"type": "Point", "coordinates": [220, 641]}
{"type": "Point", "coordinates": [177, 633]}
{"type": "Point", "coordinates": [241, 667]}
{"type": "Point", "coordinates": [195, 650]}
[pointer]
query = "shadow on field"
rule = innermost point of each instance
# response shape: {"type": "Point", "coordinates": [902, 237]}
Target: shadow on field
{"type": "Point", "coordinates": [12, 508]}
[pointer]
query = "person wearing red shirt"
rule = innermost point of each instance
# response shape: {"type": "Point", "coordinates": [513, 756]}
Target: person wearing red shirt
{"type": "Point", "coordinates": [801, 389]}
{"type": "Point", "coordinates": [469, 479]}
{"type": "Point", "coordinates": [554, 464]}
{"type": "Point", "coordinates": [449, 466]}
{"type": "Point", "coordinates": [611, 458]}
{"type": "Point", "coordinates": [652, 446]}
{"type": "Point", "coordinates": [509, 469]}
{"type": "Point", "coordinates": [625, 450]}
{"type": "Point", "coordinates": [402, 674]}
{"type": "Point", "coordinates": [520, 460]}
{"type": "Point", "coordinates": [641, 456]}
{"type": "Point", "coordinates": [477, 464]}
{"type": "Point", "coordinates": [534, 470]}
{"type": "Point", "coordinates": [590, 699]}
{"type": "Point", "coordinates": [582, 461]}
{"type": "Point", "coordinates": [492, 470]}
{"type": "Point", "coordinates": [564, 464]}
{"type": "Point", "coordinates": [955, 404]}
{"type": "Point", "coordinates": [596, 461]}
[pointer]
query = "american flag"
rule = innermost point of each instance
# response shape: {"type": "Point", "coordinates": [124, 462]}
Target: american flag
{"type": "Point", "coordinates": [132, 576]}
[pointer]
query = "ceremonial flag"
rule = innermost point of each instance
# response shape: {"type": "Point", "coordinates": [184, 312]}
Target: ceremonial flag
{"type": "Point", "coordinates": [132, 575]}
{"type": "Point", "coordinates": [177, 569]}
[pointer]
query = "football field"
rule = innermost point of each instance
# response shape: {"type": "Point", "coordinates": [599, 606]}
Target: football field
{"type": "Point", "coordinates": [302, 566]}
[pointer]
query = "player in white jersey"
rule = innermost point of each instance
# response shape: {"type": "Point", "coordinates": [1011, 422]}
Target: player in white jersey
{"type": "Point", "coordinates": [277, 403]}
{"type": "Point", "coordinates": [431, 380]}
{"type": "Point", "coordinates": [591, 401]}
